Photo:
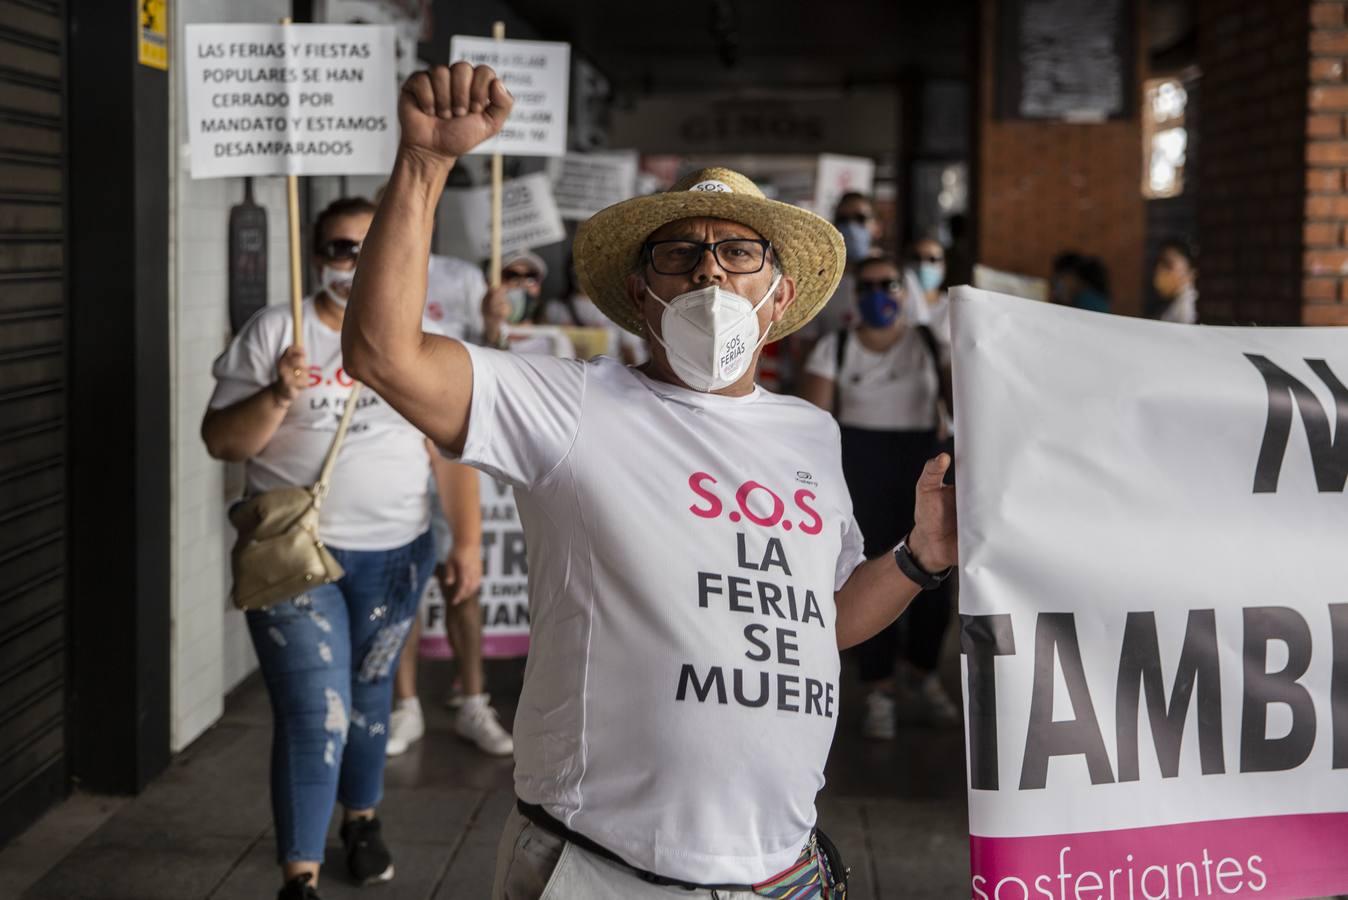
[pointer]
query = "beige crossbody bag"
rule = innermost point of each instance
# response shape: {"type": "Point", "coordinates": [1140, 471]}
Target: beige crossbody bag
{"type": "Point", "coordinates": [278, 554]}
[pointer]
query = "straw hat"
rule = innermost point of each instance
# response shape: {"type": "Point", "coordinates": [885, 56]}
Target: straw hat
{"type": "Point", "coordinates": [609, 245]}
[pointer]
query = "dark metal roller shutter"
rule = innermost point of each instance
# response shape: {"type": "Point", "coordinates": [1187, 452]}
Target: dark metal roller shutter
{"type": "Point", "coordinates": [33, 392]}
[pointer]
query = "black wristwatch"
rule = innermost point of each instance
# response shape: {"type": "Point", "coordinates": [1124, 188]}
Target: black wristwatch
{"type": "Point", "coordinates": [915, 573]}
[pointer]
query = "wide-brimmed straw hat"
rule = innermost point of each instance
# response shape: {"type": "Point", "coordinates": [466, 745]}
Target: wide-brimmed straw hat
{"type": "Point", "coordinates": [609, 245]}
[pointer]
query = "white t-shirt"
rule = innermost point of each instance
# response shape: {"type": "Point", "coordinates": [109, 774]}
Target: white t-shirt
{"type": "Point", "coordinates": [379, 497]}
{"type": "Point", "coordinates": [917, 311]}
{"type": "Point", "coordinates": [454, 291]}
{"type": "Point", "coordinates": [894, 390]}
{"type": "Point", "coordinates": [681, 690]}
{"type": "Point", "coordinates": [1183, 309]}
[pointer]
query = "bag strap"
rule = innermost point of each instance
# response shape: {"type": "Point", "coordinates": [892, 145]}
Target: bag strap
{"type": "Point", "coordinates": [320, 489]}
{"type": "Point", "coordinates": [945, 392]}
{"type": "Point", "coordinates": [840, 352]}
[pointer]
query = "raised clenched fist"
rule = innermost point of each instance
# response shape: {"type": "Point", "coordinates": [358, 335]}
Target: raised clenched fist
{"type": "Point", "coordinates": [446, 111]}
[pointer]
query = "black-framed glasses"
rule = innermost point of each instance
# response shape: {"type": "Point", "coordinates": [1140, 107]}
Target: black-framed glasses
{"type": "Point", "coordinates": [738, 256]}
{"type": "Point", "coordinates": [888, 285]}
{"type": "Point", "coordinates": [340, 249]}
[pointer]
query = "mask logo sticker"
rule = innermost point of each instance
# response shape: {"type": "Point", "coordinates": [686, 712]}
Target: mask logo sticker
{"type": "Point", "coordinates": [731, 354]}
{"type": "Point", "coordinates": [719, 187]}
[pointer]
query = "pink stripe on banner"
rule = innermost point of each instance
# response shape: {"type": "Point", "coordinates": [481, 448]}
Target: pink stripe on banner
{"type": "Point", "coordinates": [1283, 857]}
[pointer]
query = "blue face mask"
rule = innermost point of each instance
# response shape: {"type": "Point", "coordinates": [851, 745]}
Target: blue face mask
{"type": "Point", "coordinates": [930, 275]}
{"type": "Point", "coordinates": [856, 239]}
{"type": "Point", "coordinates": [878, 308]}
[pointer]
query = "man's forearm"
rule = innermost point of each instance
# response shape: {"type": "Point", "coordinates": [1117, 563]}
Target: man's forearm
{"type": "Point", "coordinates": [383, 318]}
{"type": "Point", "coordinates": [241, 430]}
{"type": "Point", "coordinates": [876, 594]}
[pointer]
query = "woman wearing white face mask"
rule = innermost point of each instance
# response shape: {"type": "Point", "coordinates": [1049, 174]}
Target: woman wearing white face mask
{"type": "Point", "coordinates": [328, 657]}
{"type": "Point", "coordinates": [924, 272]}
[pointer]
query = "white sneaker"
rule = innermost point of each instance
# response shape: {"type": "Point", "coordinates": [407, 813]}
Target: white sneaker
{"type": "Point", "coordinates": [406, 726]}
{"type": "Point", "coordinates": [477, 722]}
{"type": "Point", "coordinates": [879, 722]}
{"type": "Point", "coordinates": [940, 708]}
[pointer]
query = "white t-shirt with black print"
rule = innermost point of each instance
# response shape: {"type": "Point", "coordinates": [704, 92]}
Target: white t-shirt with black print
{"type": "Point", "coordinates": [681, 690]}
{"type": "Point", "coordinates": [893, 390]}
{"type": "Point", "coordinates": [379, 497]}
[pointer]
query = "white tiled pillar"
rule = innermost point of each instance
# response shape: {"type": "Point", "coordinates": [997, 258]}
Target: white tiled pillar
{"type": "Point", "coordinates": [211, 652]}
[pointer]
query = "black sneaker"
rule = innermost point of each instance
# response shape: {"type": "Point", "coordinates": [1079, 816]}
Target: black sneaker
{"type": "Point", "coordinates": [298, 888]}
{"type": "Point", "coordinates": [367, 857]}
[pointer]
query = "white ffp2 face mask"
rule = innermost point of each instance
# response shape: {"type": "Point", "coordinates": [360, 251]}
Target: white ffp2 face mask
{"type": "Point", "coordinates": [710, 335]}
{"type": "Point", "coordinates": [337, 284]}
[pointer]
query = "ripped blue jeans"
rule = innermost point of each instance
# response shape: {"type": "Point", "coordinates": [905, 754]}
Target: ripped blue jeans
{"type": "Point", "coordinates": [328, 658]}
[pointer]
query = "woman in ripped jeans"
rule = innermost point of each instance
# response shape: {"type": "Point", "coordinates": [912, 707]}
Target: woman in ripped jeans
{"type": "Point", "coordinates": [329, 656]}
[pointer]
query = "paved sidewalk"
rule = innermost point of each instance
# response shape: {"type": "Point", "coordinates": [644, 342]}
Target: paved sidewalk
{"type": "Point", "coordinates": [202, 830]}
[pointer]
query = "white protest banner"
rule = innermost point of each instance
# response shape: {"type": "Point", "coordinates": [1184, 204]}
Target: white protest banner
{"type": "Point", "coordinates": [1154, 618]}
{"type": "Point", "coordinates": [505, 583]}
{"type": "Point", "coordinates": [528, 218]}
{"type": "Point", "coordinates": [837, 175]}
{"type": "Point", "coordinates": [291, 99]}
{"type": "Point", "coordinates": [584, 183]}
{"type": "Point", "coordinates": [538, 76]}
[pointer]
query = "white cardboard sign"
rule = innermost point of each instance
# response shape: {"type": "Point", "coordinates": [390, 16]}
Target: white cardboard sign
{"type": "Point", "coordinates": [528, 217]}
{"type": "Point", "coordinates": [585, 183]}
{"type": "Point", "coordinates": [837, 175]}
{"type": "Point", "coordinates": [1154, 619]}
{"type": "Point", "coordinates": [291, 99]}
{"type": "Point", "coordinates": [538, 76]}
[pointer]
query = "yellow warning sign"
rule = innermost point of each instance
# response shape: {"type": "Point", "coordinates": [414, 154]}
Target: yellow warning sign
{"type": "Point", "coordinates": [153, 33]}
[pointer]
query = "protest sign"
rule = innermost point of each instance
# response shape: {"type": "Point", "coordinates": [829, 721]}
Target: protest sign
{"type": "Point", "coordinates": [837, 175]}
{"type": "Point", "coordinates": [585, 183]}
{"type": "Point", "coordinates": [505, 583]}
{"type": "Point", "coordinates": [528, 218]}
{"type": "Point", "coordinates": [291, 99]}
{"type": "Point", "coordinates": [1154, 624]}
{"type": "Point", "coordinates": [538, 76]}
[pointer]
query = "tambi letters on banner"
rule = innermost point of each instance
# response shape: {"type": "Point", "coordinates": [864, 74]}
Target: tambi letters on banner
{"type": "Point", "coordinates": [291, 99]}
{"type": "Point", "coordinates": [1153, 604]}
{"type": "Point", "coordinates": [538, 76]}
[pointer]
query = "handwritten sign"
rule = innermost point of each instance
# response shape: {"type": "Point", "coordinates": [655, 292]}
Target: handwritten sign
{"type": "Point", "coordinates": [528, 218]}
{"type": "Point", "coordinates": [291, 99]}
{"type": "Point", "coordinates": [585, 183]}
{"type": "Point", "coordinates": [538, 76]}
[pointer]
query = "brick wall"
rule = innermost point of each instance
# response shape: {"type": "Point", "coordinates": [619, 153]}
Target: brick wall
{"type": "Point", "coordinates": [1324, 285]}
{"type": "Point", "coordinates": [1045, 187]}
{"type": "Point", "coordinates": [1254, 201]}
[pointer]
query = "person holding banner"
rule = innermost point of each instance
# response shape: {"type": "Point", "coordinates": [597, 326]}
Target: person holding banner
{"type": "Point", "coordinates": [883, 380]}
{"type": "Point", "coordinates": [328, 656]}
{"type": "Point", "coordinates": [694, 563]}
